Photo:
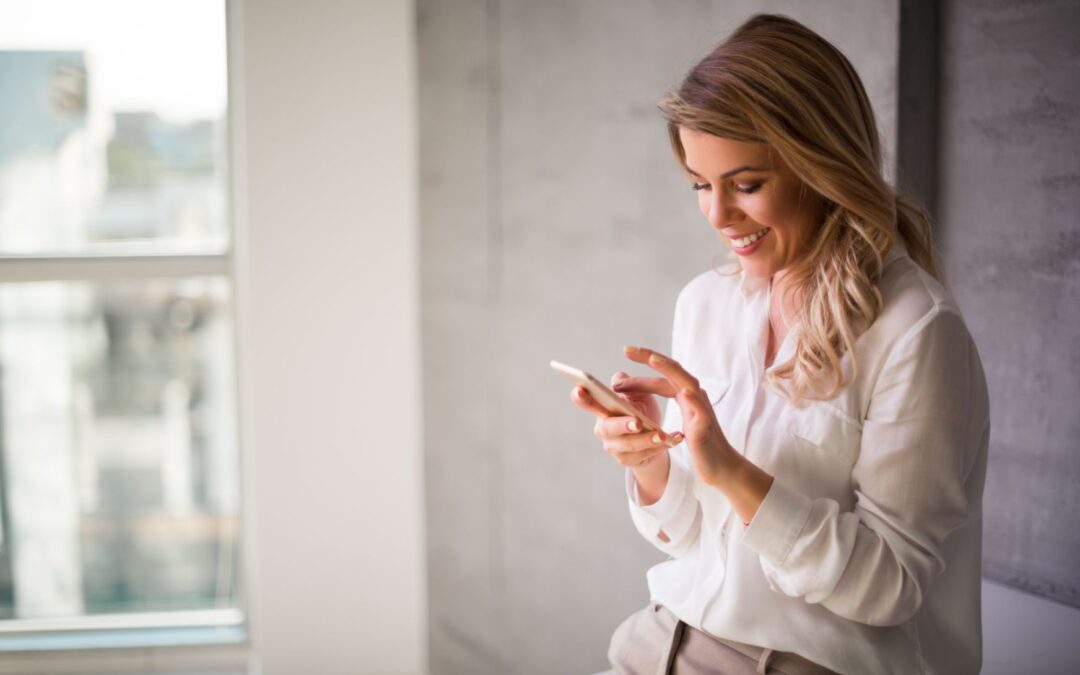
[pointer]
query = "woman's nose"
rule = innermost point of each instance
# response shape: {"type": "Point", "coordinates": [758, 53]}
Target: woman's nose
{"type": "Point", "coordinates": [721, 210]}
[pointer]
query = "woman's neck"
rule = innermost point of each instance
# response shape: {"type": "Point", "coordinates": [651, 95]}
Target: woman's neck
{"type": "Point", "coordinates": [780, 316]}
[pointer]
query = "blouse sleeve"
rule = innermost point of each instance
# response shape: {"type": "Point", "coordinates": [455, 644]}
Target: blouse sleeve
{"type": "Point", "coordinates": [926, 428]}
{"type": "Point", "coordinates": [677, 514]}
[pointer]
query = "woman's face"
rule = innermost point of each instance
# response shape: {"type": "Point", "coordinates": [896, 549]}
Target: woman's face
{"type": "Point", "coordinates": [752, 198]}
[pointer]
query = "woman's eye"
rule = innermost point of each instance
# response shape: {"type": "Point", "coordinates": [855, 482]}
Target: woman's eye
{"type": "Point", "coordinates": [700, 186]}
{"type": "Point", "coordinates": [747, 189]}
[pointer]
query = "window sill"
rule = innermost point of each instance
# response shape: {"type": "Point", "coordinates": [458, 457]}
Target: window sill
{"type": "Point", "coordinates": [127, 644]}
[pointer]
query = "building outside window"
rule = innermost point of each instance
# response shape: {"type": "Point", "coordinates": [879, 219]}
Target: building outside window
{"type": "Point", "coordinates": [119, 463]}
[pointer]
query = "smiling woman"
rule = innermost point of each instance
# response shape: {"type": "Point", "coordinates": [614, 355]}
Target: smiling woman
{"type": "Point", "coordinates": [759, 207]}
{"type": "Point", "coordinates": [822, 515]}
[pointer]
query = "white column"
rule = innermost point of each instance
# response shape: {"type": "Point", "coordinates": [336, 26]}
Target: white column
{"type": "Point", "coordinates": [329, 333]}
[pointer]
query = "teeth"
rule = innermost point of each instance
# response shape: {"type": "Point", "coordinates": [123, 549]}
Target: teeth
{"type": "Point", "coordinates": [746, 241]}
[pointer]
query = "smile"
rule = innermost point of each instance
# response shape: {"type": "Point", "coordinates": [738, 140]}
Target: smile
{"type": "Point", "coordinates": [749, 240]}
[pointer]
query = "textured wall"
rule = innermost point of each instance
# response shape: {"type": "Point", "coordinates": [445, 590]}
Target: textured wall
{"type": "Point", "coordinates": [545, 170]}
{"type": "Point", "coordinates": [1010, 216]}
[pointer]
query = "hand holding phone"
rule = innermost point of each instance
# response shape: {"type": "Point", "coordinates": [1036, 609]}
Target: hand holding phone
{"type": "Point", "coordinates": [600, 393]}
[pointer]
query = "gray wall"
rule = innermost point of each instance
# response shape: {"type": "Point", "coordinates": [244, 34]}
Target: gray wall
{"type": "Point", "coordinates": [545, 169]}
{"type": "Point", "coordinates": [1010, 229]}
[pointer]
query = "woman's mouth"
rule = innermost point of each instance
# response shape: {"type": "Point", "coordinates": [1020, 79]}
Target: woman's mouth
{"type": "Point", "coordinates": [746, 245]}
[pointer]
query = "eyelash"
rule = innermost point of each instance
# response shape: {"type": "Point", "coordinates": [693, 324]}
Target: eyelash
{"type": "Point", "coordinates": [746, 191]}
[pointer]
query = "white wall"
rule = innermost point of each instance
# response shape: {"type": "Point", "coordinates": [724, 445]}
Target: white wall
{"type": "Point", "coordinates": [1024, 633]}
{"type": "Point", "coordinates": [328, 298]}
{"type": "Point", "coordinates": [326, 265]}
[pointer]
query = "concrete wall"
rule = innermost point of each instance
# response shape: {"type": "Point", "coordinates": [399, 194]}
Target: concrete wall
{"type": "Point", "coordinates": [544, 170]}
{"type": "Point", "coordinates": [1010, 228]}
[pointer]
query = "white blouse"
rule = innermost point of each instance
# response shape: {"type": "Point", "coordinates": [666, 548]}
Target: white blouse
{"type": "Point", "coordinates": [865, 555]}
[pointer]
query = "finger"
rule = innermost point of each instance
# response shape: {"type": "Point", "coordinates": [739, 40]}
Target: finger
{"type": "Point", "coordinates": [619, 377]}
{"type": "Point", "coordinates": [635, 458]}
{"type": "Point", "coordinates": [664, 365]}
{"type": "Point", "coordinates": [614, 427]}
{"type": "Point", "coordinates": [660, 386]}
{"type": "Point", "coordinates": [581, 399]}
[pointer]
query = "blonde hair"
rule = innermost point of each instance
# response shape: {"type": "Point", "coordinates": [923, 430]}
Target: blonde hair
{"type": "Point", "coordinates": [774, 81]}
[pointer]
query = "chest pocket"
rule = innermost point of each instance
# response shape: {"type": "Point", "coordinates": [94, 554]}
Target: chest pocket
{"type": "Point", "coordinates": [824, 431]}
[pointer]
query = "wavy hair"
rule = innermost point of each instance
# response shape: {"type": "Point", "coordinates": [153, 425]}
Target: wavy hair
{"type": "Point", "coordinates": [775, 81]}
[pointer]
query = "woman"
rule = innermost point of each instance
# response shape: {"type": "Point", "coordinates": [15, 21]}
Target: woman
{"type": "Point", "coordinates": [821, 505]}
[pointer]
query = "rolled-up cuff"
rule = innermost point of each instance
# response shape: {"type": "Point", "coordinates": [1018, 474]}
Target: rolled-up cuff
{"type": "Point", "coordinates": [673, 513]}
{"type": "Point", "coordinates": [778, 521]}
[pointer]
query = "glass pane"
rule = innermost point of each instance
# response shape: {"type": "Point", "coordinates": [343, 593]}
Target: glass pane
{"type": "Point", "coordinates": [118, 448]}
{"type": "Point", "coordinates": [112, 127]}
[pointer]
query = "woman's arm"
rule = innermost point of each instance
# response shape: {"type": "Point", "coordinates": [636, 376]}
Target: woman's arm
{"type": "Point", "coordinates": [651, 479]}
{"type": "Point", "coordinates": [919, 477]}
{"type": "Point", "coordinates": [669, 518]}
{"type": "Point", "coordinates": [662, 503]}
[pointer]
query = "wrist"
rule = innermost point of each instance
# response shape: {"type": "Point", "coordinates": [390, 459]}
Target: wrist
{"type": "Point", "coordinates": [745, 485]}
{"type": "Point", "coordinates": [651, 478]}
{"type": "Point", "coordinates": [730, 472]}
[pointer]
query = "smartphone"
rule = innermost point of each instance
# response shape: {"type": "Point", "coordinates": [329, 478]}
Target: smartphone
{"type": "Point", "coordinates": [608, 399]}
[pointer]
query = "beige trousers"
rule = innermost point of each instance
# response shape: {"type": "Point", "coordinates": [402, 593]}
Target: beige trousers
{"type": "Point", "coordinates": [654, 641]}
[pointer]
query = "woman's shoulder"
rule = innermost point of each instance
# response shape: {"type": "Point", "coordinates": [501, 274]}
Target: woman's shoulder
{"type": "Point", "coordinates": [911, 295]}
{"type": "Point", "coordinates": [917, 308]}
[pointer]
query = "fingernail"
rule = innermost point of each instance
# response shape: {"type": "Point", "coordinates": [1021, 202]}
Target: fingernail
{"type": "Point", "coordinates": [630, 348]}
{"type": "Point", "coordinates": [656, 438]}
{"type": "Point", "coordinates": [578, 393]}
{"type": "Point", "coordinates": [634, 426]}
{"type": "Point", "coordinates": [675, 440]}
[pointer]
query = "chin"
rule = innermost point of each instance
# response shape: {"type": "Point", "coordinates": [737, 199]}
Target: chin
{"type": "Point", "coordinates": [757, 270]}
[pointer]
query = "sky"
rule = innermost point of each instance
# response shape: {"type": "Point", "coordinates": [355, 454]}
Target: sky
{"type": "Point", "coordinates": [162, 55]}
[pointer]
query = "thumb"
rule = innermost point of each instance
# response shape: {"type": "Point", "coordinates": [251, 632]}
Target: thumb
{"type": "Point", "coordinates": [689, 406]}
{"type": "Point", "coordinates": [619, 377]}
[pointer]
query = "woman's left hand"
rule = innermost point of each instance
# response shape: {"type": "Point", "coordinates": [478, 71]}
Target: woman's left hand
{"type": "Point", "coordinates": [713, 457]}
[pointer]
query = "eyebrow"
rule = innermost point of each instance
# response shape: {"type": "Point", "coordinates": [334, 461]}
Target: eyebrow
{"type": "Point", "coordinates": [729, 174]}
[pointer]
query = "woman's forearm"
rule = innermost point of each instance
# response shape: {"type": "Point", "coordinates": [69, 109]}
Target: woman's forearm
{"type": "Point", "coordinates": [652, 478]}
{"type": "Point", "coordinates": [745, 486]}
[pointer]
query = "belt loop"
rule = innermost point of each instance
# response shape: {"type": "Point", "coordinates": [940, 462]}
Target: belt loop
{"type": "Point", "coordinates": [763, 661]}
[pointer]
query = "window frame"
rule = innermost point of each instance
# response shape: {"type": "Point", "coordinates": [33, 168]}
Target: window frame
{"type": "Point", "coordinates": [139, 642]}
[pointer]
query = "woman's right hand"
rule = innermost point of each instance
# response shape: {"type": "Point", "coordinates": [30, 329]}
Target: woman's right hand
{"type": "Point", "coordinates": [622, 437]}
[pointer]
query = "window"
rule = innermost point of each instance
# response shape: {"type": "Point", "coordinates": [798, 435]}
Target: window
{"type": "Point", "coordinates": [119, 478]}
